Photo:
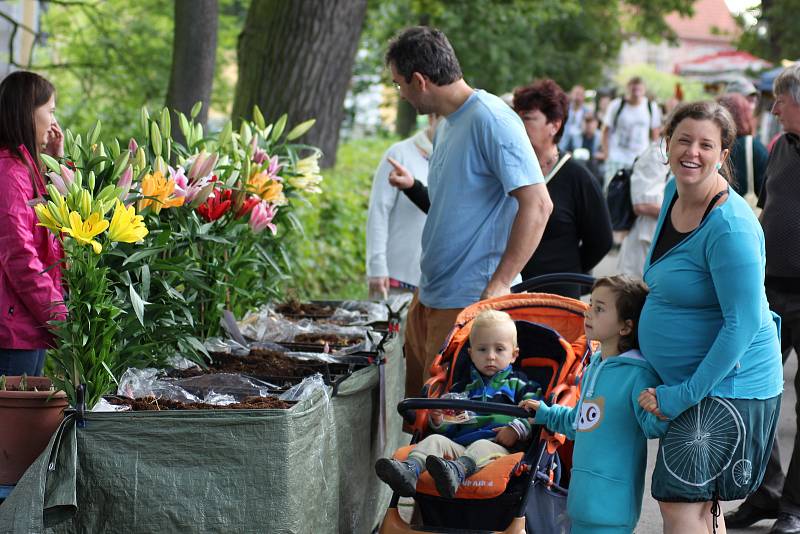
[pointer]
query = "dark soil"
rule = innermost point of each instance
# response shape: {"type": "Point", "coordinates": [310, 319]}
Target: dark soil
{"type": "Point", "coordinates": [304, 309]}
{"type": "Point", "coordinates": [331, 339]}
{"type": "Point", "coordinates": [260, 362]}
{"type": "Point", "coordinates": [153, 404]}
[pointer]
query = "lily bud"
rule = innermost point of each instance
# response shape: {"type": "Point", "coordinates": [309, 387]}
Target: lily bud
{"type": "Point", "coordinates": [125, 181]}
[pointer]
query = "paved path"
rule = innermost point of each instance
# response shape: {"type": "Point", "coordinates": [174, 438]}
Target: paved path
{"type": "Point", "coordinates": [650, 522]}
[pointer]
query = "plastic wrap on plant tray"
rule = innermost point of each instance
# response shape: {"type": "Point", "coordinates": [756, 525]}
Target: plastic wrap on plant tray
{"type": "Point", "coordinates": [220, 388]}
{"type": "Point", "coordinates": [268, 325]}
{"type": "Point", "coordinates": [306, 388]}
{"type": "Point", "coordinates": [368, 311]}
{"type": "Point", "coordinates": [235, 385]}
{"type": "Point", "coordinates": [225, 346]}
{"type": "Point", "coordinates": [140, 383]}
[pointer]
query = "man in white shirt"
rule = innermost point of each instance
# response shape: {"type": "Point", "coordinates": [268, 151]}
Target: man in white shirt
{"type": "Point", "coordinates": [573, 128]}
{"type": "Point", "coordinates": [631, 123]}
{"type": "Point", "coordinates": [394, 223]}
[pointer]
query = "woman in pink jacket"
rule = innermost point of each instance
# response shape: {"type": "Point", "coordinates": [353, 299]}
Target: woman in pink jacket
{"type": "Point", "coordinates": [30, 295]}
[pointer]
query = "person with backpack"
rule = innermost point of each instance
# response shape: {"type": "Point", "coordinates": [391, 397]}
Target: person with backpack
{"type": "Point", "coordinates": [647, 182]}
{"type": "Point", "coordinates": [630, 124]}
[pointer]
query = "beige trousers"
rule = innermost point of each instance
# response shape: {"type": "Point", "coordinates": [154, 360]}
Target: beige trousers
{"type": "Point", "coordinates": [426, 331]}
{"type": "Point", "coordinates": [482, 451]}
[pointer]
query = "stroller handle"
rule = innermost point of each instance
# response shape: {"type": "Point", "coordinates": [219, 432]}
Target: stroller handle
{"type": "Point", "coordinates": [552, 279]}
{"type": "Point", "coordinates": [458, 404]}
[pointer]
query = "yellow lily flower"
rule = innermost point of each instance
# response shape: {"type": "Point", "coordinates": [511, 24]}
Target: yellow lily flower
{"type": "Point", "coordinates": [162, 192]}
{"type": "Point", "coordinates": [84, 231]}
{"type": "Point", "coordinates": [46, 218]}
{"type": "Point", "coordinates": [309, 177]}
{"type": "Point", "coordinates": [126, 226]}
{"type": "Point", "coordinates": [265, 186]}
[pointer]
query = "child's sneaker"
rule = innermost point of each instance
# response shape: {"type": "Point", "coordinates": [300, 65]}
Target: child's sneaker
{"type": "Point", "coordinates": [448, 474]}
{"type": "Point", "coordinates": [400, 476]}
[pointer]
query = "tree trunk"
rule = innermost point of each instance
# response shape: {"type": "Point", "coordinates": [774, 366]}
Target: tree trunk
{"type": "Point", "coordinates": [296, 57]}
{"type": "Point", "coordinates": [406, 121]}
{"type": "Point", "coordinates": [194, 53]}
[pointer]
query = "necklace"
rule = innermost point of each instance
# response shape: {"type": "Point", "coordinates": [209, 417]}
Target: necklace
{"type": "Point", "coordinates": [548, 164]}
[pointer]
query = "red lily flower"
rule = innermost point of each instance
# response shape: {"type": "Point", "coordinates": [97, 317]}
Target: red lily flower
{"type": "Point", "coordinates": [216, 206]}
{"type": "Point", "coordinates": [247, 206]}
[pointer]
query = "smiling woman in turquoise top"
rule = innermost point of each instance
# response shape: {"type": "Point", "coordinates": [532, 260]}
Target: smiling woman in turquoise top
{"type": "Point", "coordinates": [707, 330]}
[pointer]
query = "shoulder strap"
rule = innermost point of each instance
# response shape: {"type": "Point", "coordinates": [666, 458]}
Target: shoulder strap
{"type": "Point", "coordinates": [556, 168]}
{"type": "Point", "coordinates": [713, 201]}
{"type": "Point", "coordinates": [748, 154]}
{"type": "Point", "coordinates": [619, 111]}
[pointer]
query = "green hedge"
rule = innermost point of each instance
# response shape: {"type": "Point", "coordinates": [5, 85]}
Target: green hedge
{"type": "Point", "coordinates": [329, 262]}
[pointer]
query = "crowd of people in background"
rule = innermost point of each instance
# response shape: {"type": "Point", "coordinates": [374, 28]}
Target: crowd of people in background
{"type": "Point", "coordinates": [520, 189]}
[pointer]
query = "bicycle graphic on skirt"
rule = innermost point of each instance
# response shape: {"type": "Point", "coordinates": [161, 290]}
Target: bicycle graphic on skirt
{"type": "Point", "coordinates": [700, 444]}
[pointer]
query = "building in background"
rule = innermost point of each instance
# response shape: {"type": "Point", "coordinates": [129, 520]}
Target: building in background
{"type": "Point", "coordinates": [710, 30]}
{"type": "Point", "coordinates": [18, 36]}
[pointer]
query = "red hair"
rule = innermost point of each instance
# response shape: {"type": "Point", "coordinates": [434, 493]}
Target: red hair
{"type": "Point", "coordinates": [546, 96]}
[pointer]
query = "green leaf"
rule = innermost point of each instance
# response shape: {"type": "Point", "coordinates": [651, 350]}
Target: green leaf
{"type": "Point", "coordinates": [196, 109]}
{"type": "Point", "coordinates": [94, 133]}
{"type": "Point", "coordinates": [145, 278]}
{"type": "Point", "coordinates": [300, 129]}
{"type": "Point", "coordinates": [163, 238]}
{"type": "Point", "coordinates": [138, 304]}
{"type": "Point", "coordinates": [280, 124]}
{"type": "Point", "coordinates": [141, 254]}
{"type": "Point", "coordinates": [225, 136]}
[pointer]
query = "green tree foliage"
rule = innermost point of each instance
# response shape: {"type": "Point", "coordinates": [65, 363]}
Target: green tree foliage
{"type": "Point", "coordinates": [774, 36]}
{"type": "Point", "coordinates": [329, 260]}
{"type": "Point", "coordinates": [505, 43]}
{"type": "Point", "coordinates": [108, 59]}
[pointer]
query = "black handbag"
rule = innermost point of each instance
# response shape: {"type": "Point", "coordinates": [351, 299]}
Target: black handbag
{"type": "Point", "coordinates": [618, 198]}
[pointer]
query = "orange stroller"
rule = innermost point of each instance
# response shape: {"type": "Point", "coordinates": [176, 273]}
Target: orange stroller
{"type": "Point", "coordinates": [524, 491]}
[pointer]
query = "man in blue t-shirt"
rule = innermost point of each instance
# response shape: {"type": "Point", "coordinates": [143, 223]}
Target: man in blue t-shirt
{"type": "Point", "coordinates": [488, 201]}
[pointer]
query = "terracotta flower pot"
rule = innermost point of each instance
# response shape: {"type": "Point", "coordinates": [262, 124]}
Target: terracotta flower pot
{"type": "Point", "coordinates": [27, 421]}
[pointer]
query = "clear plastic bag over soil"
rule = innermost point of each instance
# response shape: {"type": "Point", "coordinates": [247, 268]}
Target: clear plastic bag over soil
{"type": "Point", "coordinates": [267, 325]}
{"type": "Point", "coordinates": [154, 403]}
{"type": "Point", "coordinates": [218, 390]}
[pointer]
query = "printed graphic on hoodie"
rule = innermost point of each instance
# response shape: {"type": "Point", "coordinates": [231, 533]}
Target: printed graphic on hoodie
{"type": "Point", "coordinates": [591, 414]}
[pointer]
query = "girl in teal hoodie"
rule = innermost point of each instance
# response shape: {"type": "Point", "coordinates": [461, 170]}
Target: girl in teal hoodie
{"type": "Point", "coordinates": [609, 427]}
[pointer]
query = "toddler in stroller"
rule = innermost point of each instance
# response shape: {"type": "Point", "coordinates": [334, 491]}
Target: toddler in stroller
{"type": "Point", "coordinates": [524, 491]}
{"type": "Point", "coordinates": [458, 449]}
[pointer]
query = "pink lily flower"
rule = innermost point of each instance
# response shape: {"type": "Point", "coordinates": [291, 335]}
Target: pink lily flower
{"type": "Point", "coordinates": [133, 146]}
{"type": "Point", "coordinates": [273, 169]}
{"type": "Point", "coordinates": [259, 156]}
{"type": "Point", "coordinates": [184, 187]}
{"type": "Point", "coordinates": [261, 217]}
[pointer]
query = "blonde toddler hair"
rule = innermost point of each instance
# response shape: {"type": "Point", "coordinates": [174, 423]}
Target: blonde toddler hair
{"type": "Point", "coordinates": [488, 318]}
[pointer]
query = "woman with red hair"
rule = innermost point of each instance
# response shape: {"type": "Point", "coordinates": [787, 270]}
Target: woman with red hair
{"type": "Point", "coordinates": [578, 233]}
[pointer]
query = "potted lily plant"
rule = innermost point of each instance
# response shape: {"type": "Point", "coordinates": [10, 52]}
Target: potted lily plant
{"type": "Point", "coordinates": [31, 406]}
{"type": "Point", "coordinates": [87, 212]}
